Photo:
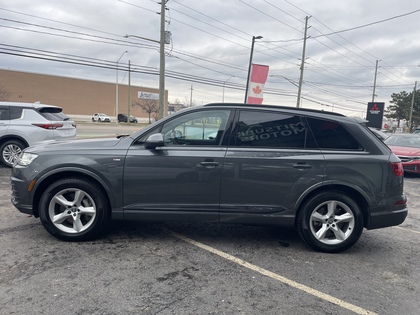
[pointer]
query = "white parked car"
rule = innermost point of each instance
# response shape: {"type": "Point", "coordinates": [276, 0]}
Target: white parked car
{"type": "Point", "coordinates": [26, 124]}
{"type": "Point", "coordinates": [100, 117]}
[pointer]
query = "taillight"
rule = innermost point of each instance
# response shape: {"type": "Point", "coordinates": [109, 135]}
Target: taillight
{"type": "Point", "coordinates": [74, 125]}
{"type": "Point", "coordinates": [401, 202]}
{"type": "Point", "coordinates": [397, 168]}
{"type": "Point", "coordinates": [49, 126]}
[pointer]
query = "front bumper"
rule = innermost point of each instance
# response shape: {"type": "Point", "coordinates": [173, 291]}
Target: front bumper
{"type": "Point", "coordinates": [20, 196]}
{"type": "Point", "coordinates": [411, 167]}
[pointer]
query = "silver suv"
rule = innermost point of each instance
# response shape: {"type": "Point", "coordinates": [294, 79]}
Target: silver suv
{"type": "Point", "coordinates": [26, 124]}
{"type": "Point", "coordinates": [325, 174]}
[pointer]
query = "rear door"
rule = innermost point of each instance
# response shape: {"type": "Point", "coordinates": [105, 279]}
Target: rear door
{"type": "Point", "coordinates": [271, 160]}
{"type": "Point", "coordinates": [4, 120]}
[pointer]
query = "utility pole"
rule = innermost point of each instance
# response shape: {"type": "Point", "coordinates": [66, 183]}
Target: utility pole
{"type": "Point", "coordinates": [374, 81]}
{"type": "Point", "coordinates": [129, 96]}
{"type": "Point", "coordinates": [116, 88]}
{"type": "Point", "coordinates": [302, 65]}
{"type": "Point", "coordinates": [162, 61]}
{"type": "Point", "coordinates": [411, 109]}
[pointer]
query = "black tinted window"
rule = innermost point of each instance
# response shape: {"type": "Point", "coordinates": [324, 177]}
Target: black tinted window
{"type": "Point", "coordinates": [15, 112]}
{"type": "Point", "coordinates": [270, 129]}
{"type": "Point", "coordinates": [332, 135]}
{"type": "Point", "coordinates": [53, 114]}
{"type": "Point", "coordinates": [4, 113]}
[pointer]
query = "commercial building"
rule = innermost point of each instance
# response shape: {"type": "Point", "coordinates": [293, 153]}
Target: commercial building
{"type": "Point", "coordinates": [77, 96]}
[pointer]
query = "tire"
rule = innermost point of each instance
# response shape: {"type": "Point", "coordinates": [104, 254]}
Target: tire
{"type": "Point", "coordinates": [330, 222]}
{"type": "Point", "coordinates": [10, 151]}
{"type": "Point", "coordinates": [73, 209]}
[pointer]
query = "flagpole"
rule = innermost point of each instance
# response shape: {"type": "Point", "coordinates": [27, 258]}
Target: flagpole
{"type": "Point", "coordinates": [249, 67]}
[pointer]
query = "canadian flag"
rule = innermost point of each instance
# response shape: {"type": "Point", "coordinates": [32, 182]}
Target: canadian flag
{"type": "Point", "coordinates": [259, 74]}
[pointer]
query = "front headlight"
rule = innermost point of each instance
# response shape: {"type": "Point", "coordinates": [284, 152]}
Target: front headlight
{"type": "Point", "coordinates": [26, 158]}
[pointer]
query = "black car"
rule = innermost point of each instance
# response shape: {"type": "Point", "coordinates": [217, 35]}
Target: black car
{"type": "Point", "coordinates": [123, 118]}
{"type": "Point", "coordinates": [323, 173]}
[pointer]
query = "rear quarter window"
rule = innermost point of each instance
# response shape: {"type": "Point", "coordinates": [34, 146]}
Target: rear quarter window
{"type": "Point", "coordinates": [15, 112]}
{"type": "Point", "coordinates": [332, 135]}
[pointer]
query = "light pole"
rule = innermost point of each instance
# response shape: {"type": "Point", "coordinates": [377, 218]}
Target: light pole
{"type": "Point", "coordinates": [116, 89]}
{"type": "Point", "coordinates": [249, 67]}
{"type": "Point", "coordinates": [223, 94]}
{"type": "Point", "coordinates": [161, 70]}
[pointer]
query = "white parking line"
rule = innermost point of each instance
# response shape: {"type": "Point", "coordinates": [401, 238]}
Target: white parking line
{"type": "Point", "coordinates": [299, 286]}
{"type": "Point", "coordinates": [405, 229]}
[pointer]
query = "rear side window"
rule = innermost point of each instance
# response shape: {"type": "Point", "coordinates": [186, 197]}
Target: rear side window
{"type": "Point", "coordinates": [332, 135]}
{"type": "Point", "coordinates": [10, 112]}
{"type": "Point", "coordinates": [53, 114]}
{"type": "Point", "coordinates": [272, 130]}
{"type": "Point", "coordinates": [4, 113]}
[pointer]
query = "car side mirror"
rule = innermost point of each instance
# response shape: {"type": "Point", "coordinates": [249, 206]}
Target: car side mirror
{"type": "Point", "coordinates": [154, 141]}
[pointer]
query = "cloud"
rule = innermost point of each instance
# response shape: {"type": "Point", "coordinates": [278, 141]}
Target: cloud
{"type": "Point", "coordinates": [211, 43]}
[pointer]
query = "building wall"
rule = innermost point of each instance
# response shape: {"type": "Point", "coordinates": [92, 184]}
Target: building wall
{"type": "Point", "coordinates": [76, 96]}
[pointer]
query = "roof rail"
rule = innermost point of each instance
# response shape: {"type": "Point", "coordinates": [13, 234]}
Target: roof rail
{"type": "Point", "coordinates": [276, 107]}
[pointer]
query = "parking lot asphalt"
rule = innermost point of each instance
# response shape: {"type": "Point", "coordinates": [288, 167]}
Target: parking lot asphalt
{"type": "Point", "coordinates": [190, 268]}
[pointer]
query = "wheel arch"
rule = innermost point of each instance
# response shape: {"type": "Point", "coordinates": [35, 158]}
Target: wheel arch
{"type": "Point", "coordinates": [13, 137]}
{"type": "Point", "coordinates": [358, 197]}
{"type": "Point", "coordinates": [47, 180]}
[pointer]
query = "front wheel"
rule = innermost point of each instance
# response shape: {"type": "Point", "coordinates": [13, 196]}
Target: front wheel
{"type": "Point", "coordinates": [330, 222]}
{"type": "Point", "coordinates": [73, 209]}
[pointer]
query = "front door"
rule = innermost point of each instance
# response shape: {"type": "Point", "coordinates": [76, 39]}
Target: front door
{"type": "Point", "coordinates": [183, 176]}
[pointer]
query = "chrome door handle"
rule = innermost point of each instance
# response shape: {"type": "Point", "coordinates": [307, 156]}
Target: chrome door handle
{"type": "Point", "coordinates": [209, 164]}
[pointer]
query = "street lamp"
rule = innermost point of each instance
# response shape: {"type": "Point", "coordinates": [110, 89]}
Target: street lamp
{"type": "Point", "coordinates": [116, 89]}
{"type": "Point", "coordinates": [249, 67]}
{"type": "Point", "coordinates": [161, 69]}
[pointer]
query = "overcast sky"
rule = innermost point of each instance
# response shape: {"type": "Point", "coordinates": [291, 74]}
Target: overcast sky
{"type": "Point", "coordinates": [210, 46]}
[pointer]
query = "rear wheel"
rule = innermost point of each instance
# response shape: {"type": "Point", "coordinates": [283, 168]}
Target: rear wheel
{"type": "Point", "coordinates": [74, 209]}
{"type": "Point", "coordinates": [330, 222]}
{"type": "Point", "coordinates": [10, 151]}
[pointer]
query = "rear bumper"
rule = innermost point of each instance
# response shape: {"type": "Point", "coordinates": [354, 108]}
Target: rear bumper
{"type": "Point", "coordinates": [389, 218]}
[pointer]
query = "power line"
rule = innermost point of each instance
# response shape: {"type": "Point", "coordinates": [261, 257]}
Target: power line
{"type": "Point", "coordinates": [369, 24]}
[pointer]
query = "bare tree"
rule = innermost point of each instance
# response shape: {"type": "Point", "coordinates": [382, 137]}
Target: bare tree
{"type": "Point", "coordinates": [4, 94]}
{"type": "Point", "coordinates": [149, 106]}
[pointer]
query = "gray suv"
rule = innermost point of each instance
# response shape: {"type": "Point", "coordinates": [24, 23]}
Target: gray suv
{"type": "Point", "coordinates": [325, 174]}
{"type": "Point", "coordinates": [25, 124]}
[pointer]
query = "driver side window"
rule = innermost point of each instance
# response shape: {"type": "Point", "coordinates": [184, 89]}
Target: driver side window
{"type": "Point", "coordinates": [205, 127]}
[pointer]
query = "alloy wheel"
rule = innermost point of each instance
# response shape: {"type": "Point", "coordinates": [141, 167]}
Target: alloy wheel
{"type": "Point", "coordinates": [332, 222]}
{"type": "Point", "coordinates": [72, 210]}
